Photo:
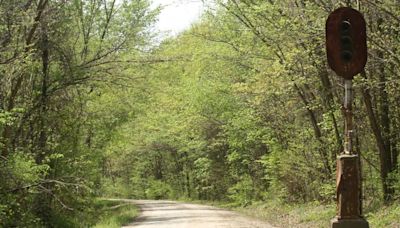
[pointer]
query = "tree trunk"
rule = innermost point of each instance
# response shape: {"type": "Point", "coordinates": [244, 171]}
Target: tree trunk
{"type": "Point", "coordinates": [384, 155]}
{"type": "Point", "coordinates": [317, 130]}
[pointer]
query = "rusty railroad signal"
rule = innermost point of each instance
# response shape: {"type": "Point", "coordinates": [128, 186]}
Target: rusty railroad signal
{"type": "Point", "coordinates": [346, 42]}
{"type": "Point", "coordinates": [346, 45]}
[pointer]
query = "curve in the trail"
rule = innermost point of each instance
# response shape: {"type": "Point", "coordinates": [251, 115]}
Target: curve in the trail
{"type": "Point", "coordinates": [170, 214]}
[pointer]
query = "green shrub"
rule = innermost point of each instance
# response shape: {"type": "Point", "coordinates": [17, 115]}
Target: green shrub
{"type": "Point", "coordinates": [158, 190]}
{"type": "Point", "coordinates": [242, 192]}
{"type": "Point", "coordinates": [22, 175]}
{"type": "Point", "coordinates": [114, 214]}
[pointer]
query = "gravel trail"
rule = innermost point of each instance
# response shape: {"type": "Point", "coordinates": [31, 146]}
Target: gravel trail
{"type": "Point", "coordinates": [170, 214]}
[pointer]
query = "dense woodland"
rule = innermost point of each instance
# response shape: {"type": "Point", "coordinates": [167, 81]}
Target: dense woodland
{"type": "Point", "coordinates": [241, 107]}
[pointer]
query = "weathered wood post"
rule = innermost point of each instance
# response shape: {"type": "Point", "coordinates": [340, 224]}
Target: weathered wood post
{"type": "Point", "coordinates": [347, 55]}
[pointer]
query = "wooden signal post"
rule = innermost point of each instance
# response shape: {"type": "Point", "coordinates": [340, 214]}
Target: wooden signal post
{"type": "Point", "coordinates": [347, 55]}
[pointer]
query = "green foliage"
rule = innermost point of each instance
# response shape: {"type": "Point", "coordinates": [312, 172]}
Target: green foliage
{"type": "Point", "coordinates": [242, 192]}
{"type": "Point", "coordinates": [239, 108]}
{"type": "Point", "coordinates": [24, 177]}
{"type": "Point", "coordinates": [24, 169]}
{"type": "Point", "coordinates": [8, 118]}
{"type": "Point", "coordinates": [158, 190]}
{"type": "Point", "coordinates": [57, 59]}
{"type": "Point", "coordinates": [243, 110]}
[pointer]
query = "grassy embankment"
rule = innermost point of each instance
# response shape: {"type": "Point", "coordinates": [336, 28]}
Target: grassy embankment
{"type": "Point", "coordinates": [317, 215]}
{"type": "Point", "coordinates": [312, 215]}
{"type": "Point", "coordinates": [114, 214]}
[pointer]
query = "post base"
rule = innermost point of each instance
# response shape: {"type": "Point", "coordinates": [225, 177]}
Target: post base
{"type": "Point", "coordinates": [349, 223]}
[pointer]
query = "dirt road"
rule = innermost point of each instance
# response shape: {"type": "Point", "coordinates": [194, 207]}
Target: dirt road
{"type": "Point", "coordinates": [170, 214]}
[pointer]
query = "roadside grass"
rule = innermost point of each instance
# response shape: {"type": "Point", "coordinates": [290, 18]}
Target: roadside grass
{"type": "Point", "coordinates": [114, 214]}
{"type": "Point", "coordinates": [280, 214]}
{"type": "Point", "coordinates": [315, 215]}
{"type": "Point", "coordinates": [387, 216]}
{"type": "Point", "coordinates": [284, 215]}
{"type": "Point", "coordinates": [308, 215]}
